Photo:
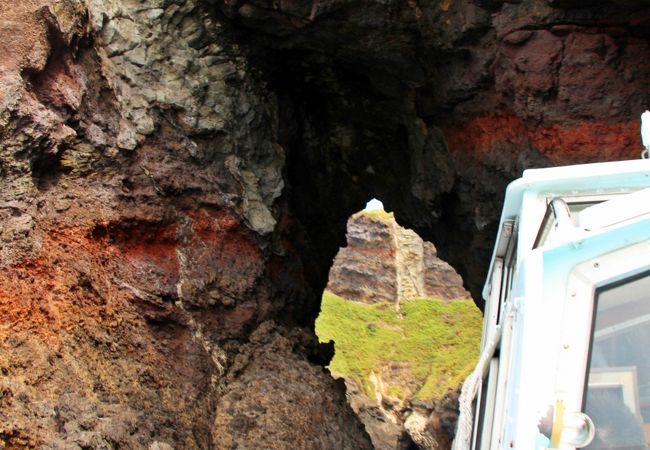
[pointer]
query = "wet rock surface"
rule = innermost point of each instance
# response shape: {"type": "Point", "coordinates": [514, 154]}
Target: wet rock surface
{"type": "Point", "coordinates": [175, 174]}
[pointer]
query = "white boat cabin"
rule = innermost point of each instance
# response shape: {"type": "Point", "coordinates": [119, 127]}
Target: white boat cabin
{"type": "Point", "coordinates": [566, 338]}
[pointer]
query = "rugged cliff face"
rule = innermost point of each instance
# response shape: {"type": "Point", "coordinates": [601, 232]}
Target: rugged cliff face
{"type": "Point", "coordinates": [176, 176]}
{"type": "Point", "coordinates": [385, 262]}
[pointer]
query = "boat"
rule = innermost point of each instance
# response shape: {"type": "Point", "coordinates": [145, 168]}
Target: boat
{"type": "Point", "coordinates": [565, 352]}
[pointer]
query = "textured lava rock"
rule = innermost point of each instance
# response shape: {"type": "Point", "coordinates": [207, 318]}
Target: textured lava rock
{"type": "Point", "coordinates": [176, 173]}
{"type": "Point", "coordinates": [415, 424]}
{"type": "Point", "coordinates": [133, 261]}
{"type": "Point", "coordinates": [276, 397]}
{"type": "Point", "coordinates": [385, 429]}
{"type": "Point", "coordinates": [385, 262]}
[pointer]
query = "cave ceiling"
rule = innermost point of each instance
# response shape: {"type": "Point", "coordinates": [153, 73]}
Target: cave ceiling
{"type": "Point", "coordinates": [434, 106]}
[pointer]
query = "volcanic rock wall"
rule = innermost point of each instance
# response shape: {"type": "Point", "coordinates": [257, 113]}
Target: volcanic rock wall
{"type": "Point", "coordinates": [177, 174]}
{"type": "Point", "coordinates": [385, 262]}
{"type": "Point", "coordinates": [141, 286]}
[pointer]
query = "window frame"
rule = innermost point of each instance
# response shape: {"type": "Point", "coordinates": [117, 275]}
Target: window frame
{"type": "Point", "coordinates": [586, 281]}
{"type": "Point", "coordinates": [592, 334]}
{"type": "Point", "coordinates": [547, 221]}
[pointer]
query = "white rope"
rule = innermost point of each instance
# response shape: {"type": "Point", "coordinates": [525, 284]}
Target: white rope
{"type": "Point", "coordinates": [463, 438]}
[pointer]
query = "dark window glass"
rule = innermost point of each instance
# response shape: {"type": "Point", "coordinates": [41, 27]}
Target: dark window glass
{"type": "Point", "coordinates": [617, 397]}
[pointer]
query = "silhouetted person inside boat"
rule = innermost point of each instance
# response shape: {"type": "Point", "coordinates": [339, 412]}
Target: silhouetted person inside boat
{"type": "Point", "coordinates": [617, 428]}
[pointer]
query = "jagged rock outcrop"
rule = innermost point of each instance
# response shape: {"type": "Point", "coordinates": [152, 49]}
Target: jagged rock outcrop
{"type": "Point", "coordinates": [384, 427]}
{"type": "Point", "coordinates": [178, 173]}
{"type": "Point", "coordinates": [411, 425]}
{"type": "Point", "coordinates": [139, 163]}
{"type": "Point", "coordinates": [383, 261]}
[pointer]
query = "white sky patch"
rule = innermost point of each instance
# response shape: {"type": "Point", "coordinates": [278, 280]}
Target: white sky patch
{"type": "Point", "coordinates": [373, 205]}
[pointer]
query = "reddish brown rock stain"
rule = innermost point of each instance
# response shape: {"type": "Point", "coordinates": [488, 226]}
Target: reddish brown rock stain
{"type": "Point", "coordinates": [62, 284]}
{"type": "Point", "coordinates": [579, 143]}
{"type": "Point", "coordinates": [151, 246]}
{"type": "Point", "coordinates": [225, 233]}
{"type": "Point", "coordinates": [76, 271]}
{"type": "Point", "coordinates": [80, 270]}
{"type": "Point", "coordinates": [23, 41]}
{"type": "Point", "coordinates": [588, 141]}
{"type": "Point", "coordinates": [74, 293]}
{"type": "Point", "coordinates": [485, 134]}
{"type": "Point", "coordinates": [373, 252]}
{"type": "Point", "coordinates": [61, 85]}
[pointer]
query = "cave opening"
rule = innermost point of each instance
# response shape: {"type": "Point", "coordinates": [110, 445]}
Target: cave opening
{"type": "Point", "coordinates": [349, 138]}
{"type": "Point", "coordinates": [405, 331]}
{"type": "Point", "coordinates": [351, 132]}
{"type": "Point", "coordinates": [355, 126]}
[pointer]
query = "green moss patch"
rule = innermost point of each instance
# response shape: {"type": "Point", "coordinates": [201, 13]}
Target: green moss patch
{"type": "Point", "coordinates": [434, 343]}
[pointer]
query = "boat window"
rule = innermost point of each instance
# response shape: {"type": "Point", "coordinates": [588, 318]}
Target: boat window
{"type": "Point", "coordinates": [547, 224]}
{"type": "Point", "coordinates": [617, 397]}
